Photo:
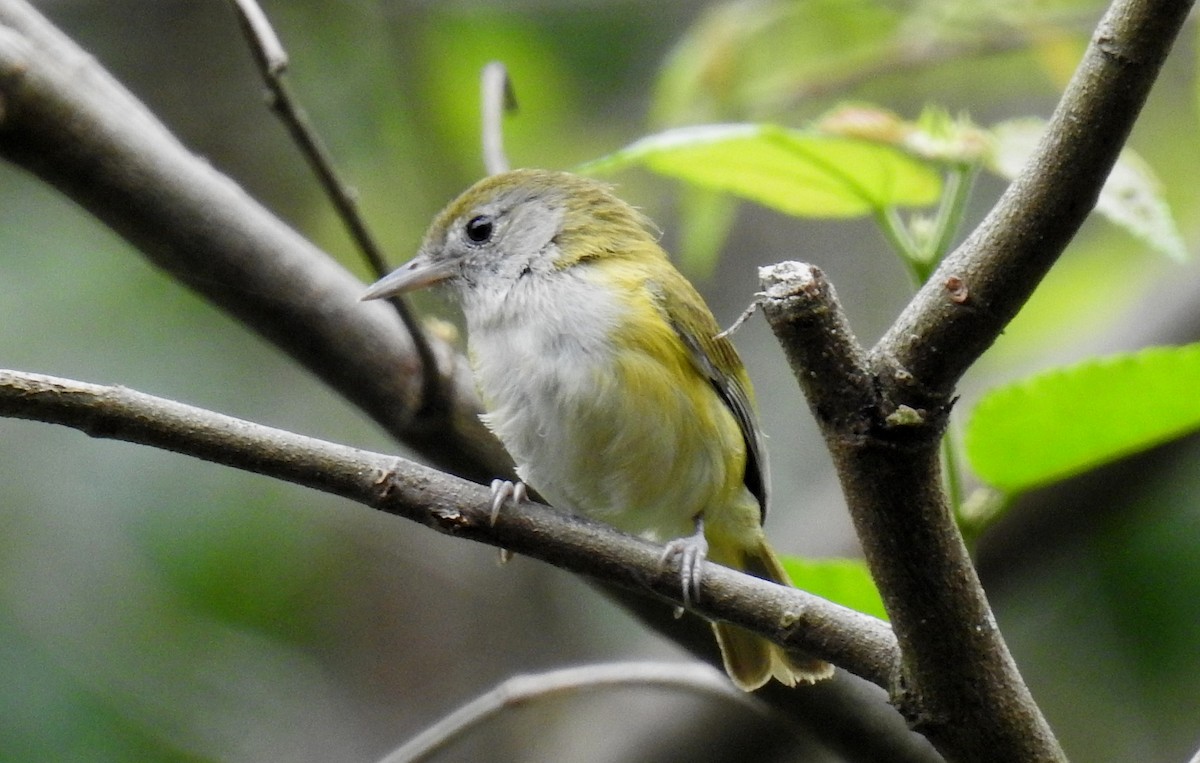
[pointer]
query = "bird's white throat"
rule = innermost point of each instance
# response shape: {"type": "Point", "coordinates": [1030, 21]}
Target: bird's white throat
{"type": "Point", "coordinates": [537, 349]}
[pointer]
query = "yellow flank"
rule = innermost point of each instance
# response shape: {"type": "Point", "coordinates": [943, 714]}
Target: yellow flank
{"type": "Point", "coordinates": [664, 392]}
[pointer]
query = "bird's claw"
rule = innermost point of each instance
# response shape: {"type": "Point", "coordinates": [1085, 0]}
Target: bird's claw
{"type": "Point", "coordinates": [505, 491]}
{"type": "Point", "coordinates": [691, 553]}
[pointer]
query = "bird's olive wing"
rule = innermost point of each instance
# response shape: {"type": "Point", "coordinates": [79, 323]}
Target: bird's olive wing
{"type": "Point", "coordinates": [716, 358]}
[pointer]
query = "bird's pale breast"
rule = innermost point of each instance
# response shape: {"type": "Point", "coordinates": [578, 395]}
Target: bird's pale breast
{"type": "Point", "coordinates": [622, 430]}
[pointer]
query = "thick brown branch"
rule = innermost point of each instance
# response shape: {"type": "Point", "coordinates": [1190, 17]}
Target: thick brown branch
{"type": "Point", "coordinates": [883, 413]}
{"type": "Point", "coordinates": [816, 337]}
{"type": "Point", "coordinates": [854, 641]}
{"type": "Point", "coordinates": [65, 119]}
{"type": "Point", "coordinates": [958, 684]}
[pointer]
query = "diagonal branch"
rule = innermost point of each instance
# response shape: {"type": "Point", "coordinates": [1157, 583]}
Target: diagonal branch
{"type": "Point", "coordinates": [938, 338]}
{"type": "Point", "coordinates": [856, 642]}
{"type": "Point", "coordinates": [554, 685]}
{"type": "Point", "coordinates": [272, 63]}
{"type": "Point", "coordinates": [65, 119]}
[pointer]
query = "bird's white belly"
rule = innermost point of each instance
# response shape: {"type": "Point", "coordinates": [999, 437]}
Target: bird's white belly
{"type": "Point", "coordinates": [578, 435]}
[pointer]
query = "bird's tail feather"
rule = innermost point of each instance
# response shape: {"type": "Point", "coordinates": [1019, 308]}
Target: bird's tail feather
{"type": "Point", "coordinates": [751, 660]}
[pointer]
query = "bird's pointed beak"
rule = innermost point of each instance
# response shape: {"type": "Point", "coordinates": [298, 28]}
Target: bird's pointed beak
{"type": "Point", "coordinates": [417, 273]}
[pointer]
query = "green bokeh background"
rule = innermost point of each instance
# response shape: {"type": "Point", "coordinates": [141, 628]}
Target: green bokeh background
{"type": "Point", "coordinates": [157, 608]}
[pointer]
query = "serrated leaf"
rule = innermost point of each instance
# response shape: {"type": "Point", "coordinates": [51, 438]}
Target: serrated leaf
{"type": "Point", "coordinates": [797, 172]}
{"type": "Point", "coordinates": [1132, 197]}
{"type": "Point", "coordinates": [842, 581]}
{"type": "Point", "coordinates": [1065, 421]}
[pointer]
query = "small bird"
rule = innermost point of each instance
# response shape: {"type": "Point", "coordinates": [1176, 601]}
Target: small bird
{"type": "Point", "coordinates": [603, 374]}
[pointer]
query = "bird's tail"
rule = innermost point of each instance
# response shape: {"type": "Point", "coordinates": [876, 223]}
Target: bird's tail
{"type": "Point", "coordinates": [751, 660]}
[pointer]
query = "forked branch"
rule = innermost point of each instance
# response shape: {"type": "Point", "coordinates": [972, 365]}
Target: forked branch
{"type": "Point", "coordinates": [883, 413]}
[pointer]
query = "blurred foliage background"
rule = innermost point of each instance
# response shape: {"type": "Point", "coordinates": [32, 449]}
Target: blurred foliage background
{"type": "Point", "coordinates": [156, 608]}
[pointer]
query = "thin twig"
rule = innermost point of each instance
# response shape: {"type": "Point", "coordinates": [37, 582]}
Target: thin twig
{"type": "Point", "coordinates": [264, 42]}
{"type": "Point", "coordinates": [272, 62]}
{"type": "Point", "coordinates": [740, 321]}
{"type": "Point", "coordinates": [498, 98]}
{"type": "Point", "coordinates": [696, 678]}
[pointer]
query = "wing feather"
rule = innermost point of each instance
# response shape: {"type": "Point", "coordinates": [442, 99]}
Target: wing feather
{"type": "Point", "coordinates": [719, 362]}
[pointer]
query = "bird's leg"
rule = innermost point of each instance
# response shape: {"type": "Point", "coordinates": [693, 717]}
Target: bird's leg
{"type": "Point", "coordinates": [691, 551]}
{"type": "Point", "coordinates": [505, 491]}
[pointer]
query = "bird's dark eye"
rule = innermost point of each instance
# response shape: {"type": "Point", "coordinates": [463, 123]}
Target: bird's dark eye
{"type": "Point", "coordinates": [479, 229]}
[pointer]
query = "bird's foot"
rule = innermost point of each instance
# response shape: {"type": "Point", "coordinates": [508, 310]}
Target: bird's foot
{"type": "Point", "coordinates": [691, 551]}
{"type": "Point", "coordinates": [506, 491]}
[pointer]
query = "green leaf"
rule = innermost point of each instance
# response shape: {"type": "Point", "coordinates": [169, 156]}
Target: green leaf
{"type": "Point", "coordinates": [801, 173]}
{"type": "Point", "coordinates": [842, 581]}
{"type": "Point", "coordinates": [1132, 198]}
{"type": "Point", "coordinates": [1065, 421]}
